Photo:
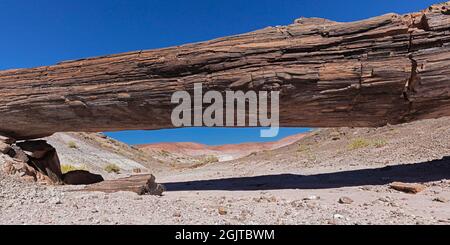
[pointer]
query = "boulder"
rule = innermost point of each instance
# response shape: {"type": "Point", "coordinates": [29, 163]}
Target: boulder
{"type": "Point", "coordinates": [440, 199]}
{"type": "Point", "coordinates": [49, 165]}
{"type": "Point", "coordinates": [35, 160]}
{"type": "Point", "coordinates": [222, 211]}
{"type": "Point", "coordinates": [81, 177]}
{"type": "Point", "coordinates": [345, 200]}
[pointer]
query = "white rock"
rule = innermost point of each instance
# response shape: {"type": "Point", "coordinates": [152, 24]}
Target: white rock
{"type": "Point", "coordinates": [312, 198]}
{"type": "Point", "coordinates": [338, 216]}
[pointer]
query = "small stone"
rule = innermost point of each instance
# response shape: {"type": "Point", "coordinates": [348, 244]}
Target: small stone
{"type": "Point", "coordinates": [101, 135]}
{"type": "Point", "coordinates": [393, 204]}
{"type": "Point", "coordinates": [176, 214]}
{"type": "Point", "coordinates": [297, 204]}
{"type": "Point", "coordinates": [335, 136]}
{"type": "Point", "coordinates": [311, 198]}
{"type": "Point", "coordinates": [258, 199]}
{"type": "Point", "coordinates": [383, 199]}
{"type": "Point", "coordinates": [407, 188]}
{"type": "Point", "coordinates": [222, 211]}
{"type": "Point", "coordinates": [440, 199]}
{"type": "Point", "coordinates": [345, 200]}
{"type": "Point", "coordinates": [310, 205]}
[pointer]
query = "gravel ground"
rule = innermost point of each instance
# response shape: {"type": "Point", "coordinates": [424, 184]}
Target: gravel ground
{"type": "Point", "coordinates": [292, 185]}
{"type": "Point", "coordinates": [24, 203]}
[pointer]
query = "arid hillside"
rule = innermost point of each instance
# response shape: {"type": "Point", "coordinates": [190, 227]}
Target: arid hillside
{"type": "Point", "coordinates": [221, 152]}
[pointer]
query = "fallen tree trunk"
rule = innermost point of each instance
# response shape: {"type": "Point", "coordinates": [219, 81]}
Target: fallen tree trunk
{"type": "Point", "coordinates": [141, 184]}
{"type": "Point", "coordinates": [388, 69]}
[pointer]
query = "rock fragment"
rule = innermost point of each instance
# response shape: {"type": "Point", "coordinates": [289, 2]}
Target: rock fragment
{"type": "Point", "coordinates": [81, 177]}
{"type": "Point", "coordinates": [440, 199]}
{"type": "Point", "coordinates": [310, 198]}
{"type": "Point", "coordinates": [55, 201]}
{"type": "Point", "coordinates": [4, 148]}
{"type": "Point", "coordinates": [345, 200]}
{"type": "Point", "coordinates": [335, 136]}
{"type": "Point", "coordinates": [407, 187]}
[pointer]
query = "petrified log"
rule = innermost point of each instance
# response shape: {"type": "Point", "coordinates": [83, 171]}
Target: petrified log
{"type": "Point", "coordinates": [387, 69]}
{"type": "Point", "coordinates": [140, 184]}
{"type": "Point", "coordinates": [81, 177]}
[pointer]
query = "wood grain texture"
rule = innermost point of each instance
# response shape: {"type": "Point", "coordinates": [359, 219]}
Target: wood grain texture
{"type": "Point", "coordinates": [388, 69]}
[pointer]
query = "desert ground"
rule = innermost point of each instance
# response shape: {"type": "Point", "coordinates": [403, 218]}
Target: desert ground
{"type": "Point", "coordinates": [327, 176]}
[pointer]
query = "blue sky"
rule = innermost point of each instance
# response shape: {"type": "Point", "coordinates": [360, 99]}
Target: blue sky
{"type": "Point", "coordinates": [43, 32]}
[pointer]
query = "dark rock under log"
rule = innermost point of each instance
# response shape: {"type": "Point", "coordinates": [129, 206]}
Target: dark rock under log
{"type": "Point", "coordinates": [81, 177]}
